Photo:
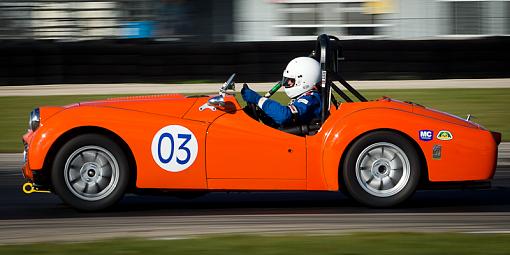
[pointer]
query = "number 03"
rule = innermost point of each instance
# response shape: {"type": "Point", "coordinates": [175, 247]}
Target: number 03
{"type": "Point", "coordinates": [184, 139]}
{"type": "Point", "coordinates": [174, 148]}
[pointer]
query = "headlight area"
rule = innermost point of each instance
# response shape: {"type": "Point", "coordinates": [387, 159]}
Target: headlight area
{"type": "Point", "coordinates": [35, 119]}
{"type": "Point", "coordinates": [37, 181]}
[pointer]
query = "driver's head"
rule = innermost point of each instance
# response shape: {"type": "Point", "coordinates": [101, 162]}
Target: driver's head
{"type": "Point", "coordinates": [300, 76]}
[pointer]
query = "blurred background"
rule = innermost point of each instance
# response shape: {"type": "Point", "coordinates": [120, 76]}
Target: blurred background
{"type": "Point", "coordinates": [251, 20]}
{"type": "Point", "coordinates": [98, 41]}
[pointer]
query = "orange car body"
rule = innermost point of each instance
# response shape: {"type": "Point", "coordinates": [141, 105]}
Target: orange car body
{"type": "Point", "coordinates": [236, 152]}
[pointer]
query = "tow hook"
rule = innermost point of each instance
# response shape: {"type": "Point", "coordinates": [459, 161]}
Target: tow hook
{"type": "Point", "coordinates": [29, 188]}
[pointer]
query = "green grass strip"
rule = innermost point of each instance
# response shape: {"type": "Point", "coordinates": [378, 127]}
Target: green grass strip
{"type": "Point", "coordinates": [491, 107]}
{"type": "Point", "coordinates": [360, 243]}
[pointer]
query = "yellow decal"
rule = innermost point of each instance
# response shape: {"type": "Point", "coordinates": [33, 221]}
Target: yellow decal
{"type": "Point", "coordinates": [444, 135]}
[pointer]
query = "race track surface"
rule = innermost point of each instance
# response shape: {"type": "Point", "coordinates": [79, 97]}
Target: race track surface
{"type": "Point", "coordinates": [43, 217]}
{"type": "Point", "coordinates": [149, 88]}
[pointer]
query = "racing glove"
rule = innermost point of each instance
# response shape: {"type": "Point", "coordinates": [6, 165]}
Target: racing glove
{"type": "Point", "coordinates": [249, 95]}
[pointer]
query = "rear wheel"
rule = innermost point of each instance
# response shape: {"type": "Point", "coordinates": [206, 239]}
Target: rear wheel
{"type": "Point", "coordinates": [90, 172]}
{"type": "Point", "coordinates": [381, 169]}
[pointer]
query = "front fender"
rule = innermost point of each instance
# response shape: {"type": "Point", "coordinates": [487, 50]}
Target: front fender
{"type": "Point", "coordinates": [137, 130]}
{"type": "Point", "coordinates": [118, 121]}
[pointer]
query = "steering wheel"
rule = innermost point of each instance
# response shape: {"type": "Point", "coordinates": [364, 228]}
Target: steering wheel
{"type": "Point", "coordinates": [253, 111]}
{"type": "Point", "coordinates": [258, 114]}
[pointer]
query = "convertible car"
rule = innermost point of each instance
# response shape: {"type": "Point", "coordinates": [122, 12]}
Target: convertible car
{"type": "Point", "coordinates": [377, 152]}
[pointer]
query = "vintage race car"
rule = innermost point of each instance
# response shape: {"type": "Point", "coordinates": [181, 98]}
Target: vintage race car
{"type": "Point", "coordinates": [378, 152]}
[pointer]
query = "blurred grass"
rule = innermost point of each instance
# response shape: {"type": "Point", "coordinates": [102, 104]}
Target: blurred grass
{"type": "Point", "coordinates": [491, 107]}
{"type": "Point", "coordinates": [360, 243]}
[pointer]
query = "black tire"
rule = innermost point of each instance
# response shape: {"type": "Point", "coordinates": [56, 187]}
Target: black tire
{"type": "Point", "coordinates": [77, 166]}
{"type": "Point", "coordinates": [378, 181]}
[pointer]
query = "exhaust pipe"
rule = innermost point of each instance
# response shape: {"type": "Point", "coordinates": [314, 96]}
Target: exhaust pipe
{"type": "Point", "coordinates": [29, 188]}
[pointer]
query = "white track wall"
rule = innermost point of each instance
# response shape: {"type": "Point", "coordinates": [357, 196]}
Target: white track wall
{"type": "Point", "coordinates": [262, 20]}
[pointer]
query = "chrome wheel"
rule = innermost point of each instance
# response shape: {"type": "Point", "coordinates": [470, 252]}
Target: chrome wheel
{"type": "Point", "coordinates": [91, 173]}
{"type": "Point", "coordinates": [382, 169]}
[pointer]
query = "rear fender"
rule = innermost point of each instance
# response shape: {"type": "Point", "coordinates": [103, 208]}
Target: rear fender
{"type": "Point", "coordinates": [453, 165]}
{"type": "Point", "coordinates": [347, 129]}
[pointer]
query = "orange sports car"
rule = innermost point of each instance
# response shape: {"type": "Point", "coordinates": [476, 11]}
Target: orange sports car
{"type": "Point", "coordinates": [378, 152]}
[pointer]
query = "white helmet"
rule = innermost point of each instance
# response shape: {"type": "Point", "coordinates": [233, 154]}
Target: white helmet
{"type": "Point", "coordinates": [300, 76]}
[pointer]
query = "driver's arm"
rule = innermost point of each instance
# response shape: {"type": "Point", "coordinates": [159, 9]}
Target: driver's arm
{"type": "Point", "coordinates": [279, 113]}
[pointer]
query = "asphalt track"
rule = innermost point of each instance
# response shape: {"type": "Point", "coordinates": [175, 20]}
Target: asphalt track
{"type": "Point", "coordinates": [43, 217]}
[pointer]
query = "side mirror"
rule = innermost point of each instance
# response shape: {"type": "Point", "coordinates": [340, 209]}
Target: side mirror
{"type": "Point", "coordinates": [213, 103]}
{"type": "Point", "coordinates": [216, 101]}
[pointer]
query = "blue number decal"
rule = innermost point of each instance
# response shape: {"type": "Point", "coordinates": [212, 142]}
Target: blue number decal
{"type": "Point", "coordinates": [161, 159]}
{"type": "Point", "coordinates": [186, 138]}
{"type": "Point", "coordinates": [174, 148]}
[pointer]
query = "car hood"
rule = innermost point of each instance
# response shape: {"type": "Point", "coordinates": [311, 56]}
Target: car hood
{"type": "Point", "coordinates": [175, 105]}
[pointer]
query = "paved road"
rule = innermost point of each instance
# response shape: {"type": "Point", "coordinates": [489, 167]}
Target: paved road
{"type": "Point", "coordinates": [146, 88]}
{"type": "Point", "coordinates": [43, 217]}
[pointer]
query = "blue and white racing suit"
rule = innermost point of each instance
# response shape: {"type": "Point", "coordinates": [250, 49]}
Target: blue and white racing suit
{"type": "Point", "coordinates": [301, 110]}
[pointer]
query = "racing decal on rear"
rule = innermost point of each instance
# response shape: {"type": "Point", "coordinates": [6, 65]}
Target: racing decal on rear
{"type": "Point", "coordinates": [436, 151]}
{"type": "Point", "coordinates": [174, 148]}
{"type": "Point", "coordinates": [444, 135]}
{"type": "Point", "coordinates": [426, 135]}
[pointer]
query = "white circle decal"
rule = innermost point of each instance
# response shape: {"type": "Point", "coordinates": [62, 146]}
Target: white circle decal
{"type": "Point", "coordinates": [174, 148]}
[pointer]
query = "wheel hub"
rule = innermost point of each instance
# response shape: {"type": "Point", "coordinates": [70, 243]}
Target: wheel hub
{"type": "Point", "coordinates": [90, 172]}
{"type": "Point", "coordinates": [381, 168]}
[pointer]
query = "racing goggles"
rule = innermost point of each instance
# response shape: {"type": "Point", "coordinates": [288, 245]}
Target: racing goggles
{"type": "Point", "coordinates": [288, 82]}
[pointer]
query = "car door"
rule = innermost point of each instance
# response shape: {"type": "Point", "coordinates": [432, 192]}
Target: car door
{"type": "Point", "coordinates": [242, 153]}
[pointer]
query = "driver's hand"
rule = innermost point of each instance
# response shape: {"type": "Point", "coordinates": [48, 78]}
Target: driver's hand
{"type": "Point", "coordinates": [249, 95]}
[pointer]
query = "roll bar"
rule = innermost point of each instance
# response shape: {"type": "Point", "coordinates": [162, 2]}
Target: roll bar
{"type": "Point", "coordinates": [329, 53]}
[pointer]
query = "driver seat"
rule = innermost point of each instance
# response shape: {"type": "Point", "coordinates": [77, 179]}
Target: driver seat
{"type": "Point", "coordinates": [304, 129]}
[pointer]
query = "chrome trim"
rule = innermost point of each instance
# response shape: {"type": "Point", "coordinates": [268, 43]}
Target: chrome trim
{"type": "Point", "coordinates": [229, 84]}
{"type": "Point", "coordinates": [216, 101]}
{"type": "Point", "coordinates": [34, 120]}
{"type": "Point", "coordinates": [469, 117]}
{"type": "Point", "coordinates": [25, 155]}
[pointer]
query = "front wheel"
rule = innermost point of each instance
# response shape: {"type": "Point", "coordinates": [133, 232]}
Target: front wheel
{"type": "Point", "coordinates": [90, 172]}
{"type": "Point", "coordinates": [381, 169]}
